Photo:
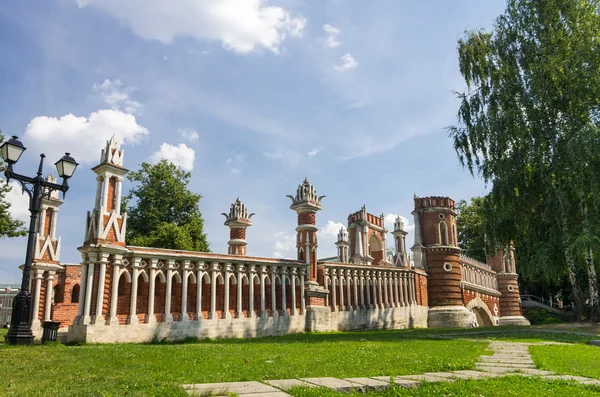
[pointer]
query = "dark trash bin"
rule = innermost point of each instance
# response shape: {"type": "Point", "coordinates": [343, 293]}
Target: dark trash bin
{"type": "Point", "coordinates": [50, 331]}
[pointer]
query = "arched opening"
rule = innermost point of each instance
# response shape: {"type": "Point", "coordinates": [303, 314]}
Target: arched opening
{"type": "Point", "coordinates": [176, 289]}
{"type": "Point", "coordinates": [205, 298]}
{"type": "Point", "coordinates": [375, 249]}
{"type": "Point", "coordinates": [192, 290]}
{"type": "Point", "coordinates": [123, 296]}
{"type": "Point", "coordinates": [482, 317]}
{"type": "Point", "coordinates": [59, 293]}
{"type": "Point", "coordinates": [141, 305]}
{"type": "Point", "coordinates": [443, 231]}
{"type": "Point", "coordinates": [75, 294]}
{"type": "Point", "coordinates": [160, 289]}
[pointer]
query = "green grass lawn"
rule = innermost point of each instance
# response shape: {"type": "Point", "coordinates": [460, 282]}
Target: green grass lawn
{"type": "Point", "coordinates": [158, 369]}
{"type": "Point", "coordinates": [581, 360]}
{"type": "Point", "coordinates": [499, 387]}
{"type": "Point", "coordinates": [3, 332]}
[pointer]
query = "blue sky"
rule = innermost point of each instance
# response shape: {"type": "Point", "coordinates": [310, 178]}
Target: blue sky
{"type": "Point", "coordinates": [250, 95]}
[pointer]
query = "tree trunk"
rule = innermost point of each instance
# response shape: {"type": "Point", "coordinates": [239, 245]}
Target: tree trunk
{"type": "Point", "coordinates": [577, 294]}
{"type": "Point", "coordinates": [593, 286]}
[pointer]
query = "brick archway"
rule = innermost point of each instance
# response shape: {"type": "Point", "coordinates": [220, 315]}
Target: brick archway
{"type": "Point", "coordinates": [482, 312]}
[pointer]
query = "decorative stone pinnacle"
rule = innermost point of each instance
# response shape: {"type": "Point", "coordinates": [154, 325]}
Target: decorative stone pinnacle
{"type": "Point", "coordinates": [112, 154]}
{"type": "Point", "coordinates": [52, 179]}
{"type": "Point", "coordinates": [399, 224]}
{"type": "Point", "coordinates": [238, 214]}
{"type": "Point", "coordinates": [306, 196]}
{"type": "Point", "coordinates": [343, 235]}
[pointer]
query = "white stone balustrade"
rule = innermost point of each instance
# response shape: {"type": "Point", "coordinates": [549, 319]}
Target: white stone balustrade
{"type": "Point", "coordinates": [353, 287]}
{"type": "Point", "coordinates": [478, 276]}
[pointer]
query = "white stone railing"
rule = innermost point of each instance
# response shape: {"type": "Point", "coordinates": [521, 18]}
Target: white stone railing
{"type": "Point", "coordinates": [477, 276]}
{"type": "Point", "coordinates": [240, 286]}
{"type": "Point", "coordinates": [354, 287]}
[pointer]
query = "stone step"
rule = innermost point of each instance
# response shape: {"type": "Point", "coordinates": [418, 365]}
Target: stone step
{"type": "Point", "coordinates": [507, 365]}
{"type": "Point", "coordinates": [490, 359]}
{"type": "Point", "coordinates": [427, 378]}
{"type": "Point", "coordinates": [499, 370]}
{"type": "Point", "coordinates": [398, 381]}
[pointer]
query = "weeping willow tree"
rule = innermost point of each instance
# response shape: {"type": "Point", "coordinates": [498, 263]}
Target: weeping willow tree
{"type": "Point", "coordinates": [529, 124]}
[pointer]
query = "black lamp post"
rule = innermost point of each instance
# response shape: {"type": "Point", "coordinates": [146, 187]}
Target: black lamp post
{"type": "Point", "coordinates": [37, 188]}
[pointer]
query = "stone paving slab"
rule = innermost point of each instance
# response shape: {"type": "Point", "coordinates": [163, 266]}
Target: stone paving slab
{"type": "Point", "coordinates": [398, 381]}
{"type": "Point", "coordinates": [499, 370]}
{"type": "Point", "coordinates": [427, 378]}
{"type": "Point", "coordinates": [230, 387]}
{"type": "Point", "coordinates": [476, 374]}
{"type": "Point", "coordinates": [537, 372]}
{"type": "Point", "coordinates": [445, 375]}
{"type": "Point", "coordinates": [334, 383]}
{"type": "Point", "coordinates": [508, 365]}
{"type": "Point", "coordinates": [369, 383]}
{"type": "Point", "coordinates": [569, 377]}
{"type": "Point", "coordinates": [286, 384]}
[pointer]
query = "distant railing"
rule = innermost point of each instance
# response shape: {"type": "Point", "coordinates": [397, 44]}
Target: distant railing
{"type": "Point", "coordinates": [556, 304]}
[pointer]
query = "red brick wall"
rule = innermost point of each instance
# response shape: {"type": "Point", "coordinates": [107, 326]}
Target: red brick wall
{"type": "Point", "coordinates": [509, 301]}
{"type": "Point", "coordinates": [421, 282]}
{"type": "Point", "coordinates": [66, 311]}
{"type": "Point", "coordinates": [489, 300]}
{"type": "Point", "coordinates": [306, 218]}
{"type": "Point", "coordinates": [237, 233]}
{"type": "Point", "coordinates": [47, 222]}
{"type": "Point", "coordinates": [110, 202]}
{"type": "Point", "coordinates": [444, 287]}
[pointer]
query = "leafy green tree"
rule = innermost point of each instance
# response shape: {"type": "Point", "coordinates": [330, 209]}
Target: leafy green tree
{"type": "Point", "coordinates": [529, 123]}
{"type": "Point", "coordinates": [470, 227]}
{"type": "Point", "coordinates": [9, 227]}
{"type": "Point", "coordinates": [163, 212]}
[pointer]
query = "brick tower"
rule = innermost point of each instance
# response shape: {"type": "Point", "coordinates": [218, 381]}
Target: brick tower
{"type": "Point", "coordinates": [400, 258]}
{"type": "Point", "coordinates": [237, 220]}
{"type": "Point", "coordinates": [367, 238]}
{"type": "Point", "coordinates": [306, 203]}
{"type": "Point", "coordinates": [46, 260]}
{"type": "Point", "coordinates": [104, 242]}
{"type": "Point", "coordinates": [106, 224]}
{"type": "Point", "coordinates": [436, 249]}
{"type": "Point", "coordinates": [503, 263]}
{"type": "Point", "coordinates": [343, 245]}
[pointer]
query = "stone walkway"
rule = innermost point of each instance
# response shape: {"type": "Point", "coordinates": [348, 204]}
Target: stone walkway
{"type": "Point", "coordinates": [508, 359]}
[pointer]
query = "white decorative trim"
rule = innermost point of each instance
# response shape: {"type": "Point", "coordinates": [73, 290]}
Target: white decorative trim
{"type": "Point", "coordinates": [447, 267]}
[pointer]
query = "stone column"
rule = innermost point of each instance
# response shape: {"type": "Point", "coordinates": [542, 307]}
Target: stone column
{"type": "Point", "coordinates": [118, 195]}
{"type": "Point", "coordinates": [391, 288]}
{"type": "Point", "coordinates": [239, 310]}
{"type": "Point", "coordinates": [355, 279]}
{"type": "Point", "coordinates": [348, 290]}
{"type": "Point", "coordinates": [367, 285]}
{"type": "Point", "coordinates": [284, 311]}
{"type": "Point", "coordinates": [362, 289]}
{"type": "Point", "coordinates": [226, 313]}
{"type": "Point", "coordinates": [302, 300]}
{"type": "Point", "coordinates": [135, 272]}
{"type": "Point", "coordinates": [168, 317]}
{"type": "Point", "coordinates": [263, 305]}
{"type": "Point", "coordinates": [380, 289]}
{"type": "Point", "coordinates": [82, 289]}
{"type": "Point", "coordinates": [105, 193]}
{"type": "Point", "coordinates": [53, 226]}
{"type": "Point", "coordinates": [114, 289]}
{"type": "Point", "coordinates": [49, 293]}
{"type": "Point", "coordinates": [386, 297]}
{"type": "Point", "coordinates": [374, 288]}
{"type": "Point", "coordinates": [405, 283]}
{"type": "Point", "coordinates": [396, 291]}
{"type": "Point", "coordinates": [88, 293]}
{"type": "Point", "coordinates": [199, 284]}
{"type": "Point", "coordinates": [150, 317]}
{"type": "Point", "coordinates": [35, 312]}
{"type": "Point", "coordinates": [293, 308]}
{"type": "Point", "coordinates": [184, 316]}
{"type": "Point", "coordinates": [213, 291]}
{"type": "Point", "coordinates": [273, 293]}
{"type": "Point", "coordinates": [99, 317]}
{"type": "Point", "coordinates": [341, 286]}
{"type": "Point", "coordinates": [251, 274]}
{"type": "Point", "coordinates": [334, 307]}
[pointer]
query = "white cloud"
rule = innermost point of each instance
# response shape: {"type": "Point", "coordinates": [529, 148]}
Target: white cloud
{"type": "Point", "coordinates": [329, 232]}
{"type": "Point", "coordinates": [314, 152]}
{"type": "Point", "coordinates": [190, 135]}
{"type": "Point", "coordinates": [117, 96]}
{"type": "Point", "coordinates": [285, 245]}
{"type": "Point", "coordinates": [330, 40]}
{"type": "Point", "coordinates": [235, 171]}
{"type": "Point", "coordinates": [240, 25]}
{"type": "Point", "coordinates": [83, 137]}
{"type": "Point", "coordinates": [235, 161]}
{"type": "Point", "coordinates": [283, 154]}
{"type": "Point", "coordinates": [348, 62]}
{"type": "Point", "coordinates": [19, 202]}
{"type": "Point", "coordinates": [181, 155]}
